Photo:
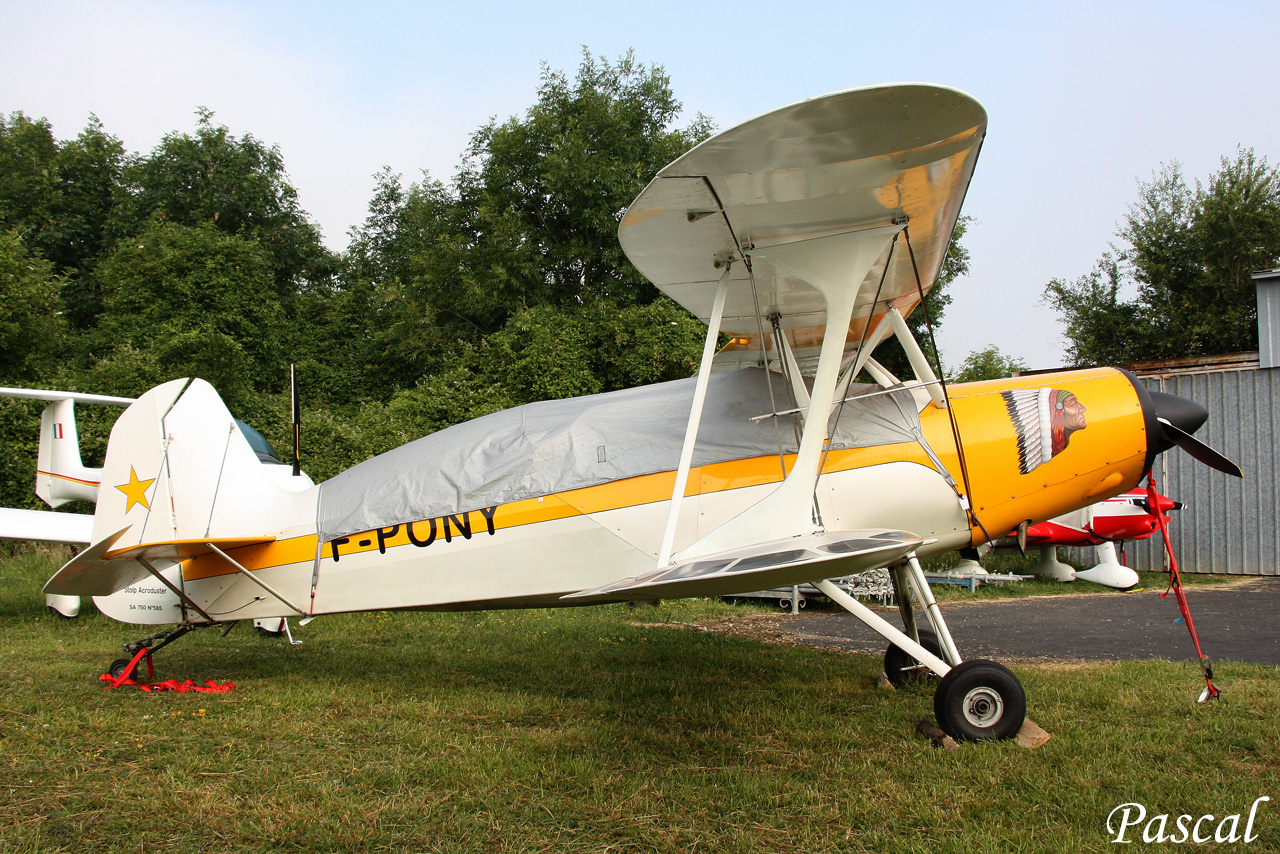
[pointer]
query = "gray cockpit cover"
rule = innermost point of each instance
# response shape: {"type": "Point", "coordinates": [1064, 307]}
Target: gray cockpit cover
{"type": "Point", "coordinates": [556, 445]}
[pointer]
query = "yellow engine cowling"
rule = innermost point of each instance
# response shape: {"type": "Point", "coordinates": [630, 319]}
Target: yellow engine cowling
{"type": "Point", "coordinates": [1039, 446]}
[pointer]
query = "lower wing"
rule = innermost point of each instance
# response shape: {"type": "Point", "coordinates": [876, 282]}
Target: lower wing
{"type": "Point", "coordinates": [760, 566]}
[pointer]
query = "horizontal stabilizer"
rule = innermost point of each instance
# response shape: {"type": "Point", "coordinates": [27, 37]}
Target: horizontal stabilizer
{"type": "Point", "coordinates": [89, 574]}
{"type": "Point", "coordinates": [779, 563]}
{"type": "Point", "coordinates": [43, 394]}
{"type": "Point", "coordinates": [75, 528]}
{"type": "Point", "coordinates": [183, 549]}
{"type": "Point", "coordinates": [101, 571]}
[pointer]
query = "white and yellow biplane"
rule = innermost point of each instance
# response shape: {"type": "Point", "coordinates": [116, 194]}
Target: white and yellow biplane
{"type": "Point", "coordinates": [806, 235]}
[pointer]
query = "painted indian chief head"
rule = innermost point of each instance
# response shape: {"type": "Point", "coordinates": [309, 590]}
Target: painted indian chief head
{"type": "Point", "coordinates": [1044, 419]}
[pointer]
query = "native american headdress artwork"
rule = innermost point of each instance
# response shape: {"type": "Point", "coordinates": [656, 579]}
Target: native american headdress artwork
{"type": "Point", "coordinates": [1044, 418]}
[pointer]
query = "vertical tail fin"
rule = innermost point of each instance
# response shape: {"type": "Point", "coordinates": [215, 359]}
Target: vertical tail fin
{"type": "Point", "coordinates": [181, 475]}
{"type": "Point", "coordinates": [179, 467]}
{"type": "Point", "coordinates": [60, 475]}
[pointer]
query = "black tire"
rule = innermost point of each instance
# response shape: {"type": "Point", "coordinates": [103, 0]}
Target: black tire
{"type": "Point", "coordinates": [903, 669]}
{"type": "Point", "coordinates": [58, 615]}
{"type": "Point", "coordinates": [980, 700]}
{"type": "Point", "coordinates": [118, 666]}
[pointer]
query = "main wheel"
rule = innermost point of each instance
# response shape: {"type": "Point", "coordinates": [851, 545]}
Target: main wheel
{"type": "Point", "coordinates": [902, 668]}
{"type": "Point", "coordinates": [980, 700]}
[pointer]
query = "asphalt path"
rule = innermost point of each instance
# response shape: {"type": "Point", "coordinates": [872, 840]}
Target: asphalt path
{"type": "Point", "coordinates": [1236, 622]}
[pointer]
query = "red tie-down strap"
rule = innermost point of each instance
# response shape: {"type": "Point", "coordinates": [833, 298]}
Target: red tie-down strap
{"type": "Point", "coordinates": [126, 678]}
{"type": "Point", "coordinates": [1175, 584]}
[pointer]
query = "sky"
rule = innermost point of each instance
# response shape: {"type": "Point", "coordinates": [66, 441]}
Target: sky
{"type": "Point", "coordinates": [1084, 99]}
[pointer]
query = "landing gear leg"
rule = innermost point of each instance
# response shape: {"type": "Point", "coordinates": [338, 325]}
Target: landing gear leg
{"type": "Point", "coordinates": [920, 584]}
{"type": "Point", "coordinates": [902, 596]}
{"type": "Point", "coordinates": [125, 668]}
{"type": "Point", "coordinates": [900, 667]}
{"type": "Point", "coordinates": [975, 700]}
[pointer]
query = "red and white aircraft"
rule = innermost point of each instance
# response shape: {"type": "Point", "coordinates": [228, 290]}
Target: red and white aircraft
{"type": "Point", "coordinates": [1118, 519]}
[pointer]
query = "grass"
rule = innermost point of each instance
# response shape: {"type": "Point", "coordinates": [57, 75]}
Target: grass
{"type": "Point", "coordinates": [581, 730]}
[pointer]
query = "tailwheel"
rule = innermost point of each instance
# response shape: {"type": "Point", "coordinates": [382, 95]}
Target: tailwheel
{"type": "Point", "coordinates": [901, 668]}
{"type": "Point", "coordinates": [118, 666]}
{"type": "Point", "coordinates": [132, 648]}
{"type": "Point", "coordinates": [979, 700]}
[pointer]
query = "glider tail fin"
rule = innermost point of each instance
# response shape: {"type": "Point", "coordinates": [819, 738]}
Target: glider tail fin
{"type": "Point", "coordinates": [60, 475]}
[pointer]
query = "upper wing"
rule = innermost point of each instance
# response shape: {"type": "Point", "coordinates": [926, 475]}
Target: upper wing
{"type": "Point", "coordinates": [861, 159]}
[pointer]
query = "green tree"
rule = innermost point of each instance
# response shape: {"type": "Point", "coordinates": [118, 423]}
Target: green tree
{"type": "Point", "coordinates": [1101, 327]}
{"type": "Point", "coordinates": [237, 185]}
{"type": "Point", "coordinates": [1188, 253]}
{"type": "Point", "coordinates": [88, 184]}
{"type": "Point", "coordinates": [58, 197]}
{"type": "Point", "coordinates": [30, 325]}
{"type": "Point", "coordinates": [543, 194]}
{"type": "Point", "coordinates": [398, 284]}
{"type": "Point", "coordinates": [530, 224]}
{"type": "Point", "coordinates": [191, 301]}
{"type": "Point", "coordinates": [643, 343]}
{"type": "Point", "coordinates": [30, 332]}
{"type": "Point", "coordinates": [988, 364]}
{"type": "Point", "coordinates": [28, 174]}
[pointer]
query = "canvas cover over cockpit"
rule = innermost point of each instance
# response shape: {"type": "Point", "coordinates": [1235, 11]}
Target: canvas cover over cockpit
{"type": "Point", "coordinates": [557, 445]}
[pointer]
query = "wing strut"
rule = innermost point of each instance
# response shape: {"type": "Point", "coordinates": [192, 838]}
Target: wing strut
{"type": "Point", "coordinates": [177, 591]}
{"type": "Point", "coordinates": [883, 627]}
{"type": "Point", "coordinates": [695, 417]}
{"type": "Point", "coordinates": [834, 266]}
{"type": "Point", "coordinates": [919, 363]}
{"type": "Point", "coordinates": [790, 370]}
{"type": "Point", "coordinates": [258, 581]}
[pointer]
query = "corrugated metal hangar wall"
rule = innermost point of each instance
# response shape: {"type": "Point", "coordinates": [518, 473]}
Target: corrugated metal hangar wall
{"type": "Point", "coordinates": [1228, 525]}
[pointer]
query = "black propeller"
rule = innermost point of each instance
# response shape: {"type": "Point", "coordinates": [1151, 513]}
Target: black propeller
{"type": "Point", "coordinates": [1197, 449]}
{"type": "Point", "coordinates": [1175, 419]}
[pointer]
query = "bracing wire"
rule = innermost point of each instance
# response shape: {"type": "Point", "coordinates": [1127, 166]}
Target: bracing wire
{"type": "Point", "coordinates": [773, 403]}
{"type": "Point", "coordinates": [942, 381]}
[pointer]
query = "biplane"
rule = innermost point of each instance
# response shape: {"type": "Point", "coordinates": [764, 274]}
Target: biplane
{"type": "Point", "coordinates": [805, 237]}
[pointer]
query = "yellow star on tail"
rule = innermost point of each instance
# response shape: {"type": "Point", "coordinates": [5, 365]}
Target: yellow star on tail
{"type": "Point", "coordinates": [136, 490]}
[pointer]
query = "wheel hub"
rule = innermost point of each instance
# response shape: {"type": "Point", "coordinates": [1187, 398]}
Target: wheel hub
{"type": "Point", "coordinates": [983, 707]}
